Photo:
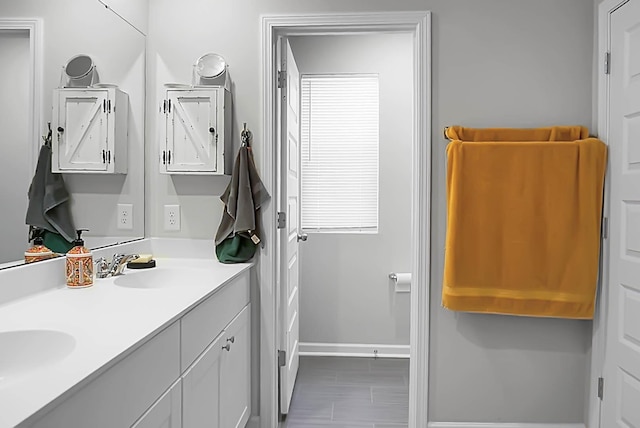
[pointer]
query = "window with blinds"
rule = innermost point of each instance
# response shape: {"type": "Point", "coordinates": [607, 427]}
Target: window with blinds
{"type": "Point", "coordinates": [339, 142]}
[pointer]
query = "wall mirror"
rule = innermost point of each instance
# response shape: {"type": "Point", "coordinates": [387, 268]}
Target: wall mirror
{"type": "Point", "coordinates": [113, 37]}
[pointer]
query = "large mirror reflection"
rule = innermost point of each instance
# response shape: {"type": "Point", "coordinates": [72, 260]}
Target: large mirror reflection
{"type": "Point", "coordinates": [112, 35]}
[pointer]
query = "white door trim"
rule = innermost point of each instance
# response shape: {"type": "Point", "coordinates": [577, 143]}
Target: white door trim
{"type": "Point", "coordinates": [598, 341]}
{"type": "Point", "coordinates": [418, 24]}
{"type": "Point", "coordinates": [34, 27]}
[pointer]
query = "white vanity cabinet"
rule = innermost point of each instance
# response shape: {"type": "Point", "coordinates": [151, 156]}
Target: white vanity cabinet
{"type": "Point", "coordinates": [196, 131]}
{"type": "Point", "coordinates": [195, 373]}
{"type": "Point", "coordinates": [90, 130]}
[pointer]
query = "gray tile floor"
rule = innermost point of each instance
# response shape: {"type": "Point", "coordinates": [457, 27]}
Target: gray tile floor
{"type": "Point", "coordinates": [350, 393]}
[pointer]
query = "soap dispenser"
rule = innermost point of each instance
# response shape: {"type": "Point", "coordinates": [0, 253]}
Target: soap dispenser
{"type": "Point", "coordinates": [38, 251]}
{"type": "Point", "coordinates": [79, 264]}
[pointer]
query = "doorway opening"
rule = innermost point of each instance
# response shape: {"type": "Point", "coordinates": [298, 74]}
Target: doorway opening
{"type": "Point", "coordinates": [273, 282]}
{"type": "Point", "coordinates": [20, 49]}
{"type": "Point", "coordinates": [354, 163]}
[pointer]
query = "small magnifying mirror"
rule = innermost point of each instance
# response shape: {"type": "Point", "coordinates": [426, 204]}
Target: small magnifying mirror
{"type": "Point", "coordinates": [80, 72]}
{"type": "Point", "coordinates": [209, 69]}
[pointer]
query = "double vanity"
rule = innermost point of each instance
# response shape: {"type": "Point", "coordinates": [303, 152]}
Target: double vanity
{"type": "Point", "coordinates": [168, 346]}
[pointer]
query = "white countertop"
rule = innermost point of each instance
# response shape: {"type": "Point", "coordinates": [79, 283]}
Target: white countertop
{"type": "Point", "coordinates": [106, 321]}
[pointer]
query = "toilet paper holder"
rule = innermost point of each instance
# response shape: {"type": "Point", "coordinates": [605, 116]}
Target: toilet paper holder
{"type": "Point", "coordinates": [402, 282]}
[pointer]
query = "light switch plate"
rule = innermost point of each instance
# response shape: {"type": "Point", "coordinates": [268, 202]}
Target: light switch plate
{"type": "Point", "coordinates": [125, 216]}
{"type": "Point", "coordinates": [172, 217]}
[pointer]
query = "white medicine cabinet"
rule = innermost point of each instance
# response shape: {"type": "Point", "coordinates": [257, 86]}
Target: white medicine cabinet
{"type": "Point", "coordinates": [90, 128]}
{"type": "Point", "coordinates": [196, 131]}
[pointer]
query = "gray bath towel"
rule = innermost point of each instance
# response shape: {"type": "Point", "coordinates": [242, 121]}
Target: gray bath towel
{"type": "Point", "coordinates": [49, 206]}
{"type": "Point", "coordinates": [242, 198]}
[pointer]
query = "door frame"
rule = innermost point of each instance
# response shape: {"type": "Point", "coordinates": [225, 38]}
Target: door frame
{"type": "Point", "coordinates": [419, 25]}
{"type": "Point", "coordinates": [601, 316]}
{"type": "Point", "coordinates": [34, 27]}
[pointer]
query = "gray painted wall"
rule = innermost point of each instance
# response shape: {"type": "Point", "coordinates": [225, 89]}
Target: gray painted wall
{"type": "Point", "coordinates": [346, 275]}
{"type": "Point", "coordinates": [495, 63]}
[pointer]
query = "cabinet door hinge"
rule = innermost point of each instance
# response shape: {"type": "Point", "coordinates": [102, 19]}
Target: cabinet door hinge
{"type": "Point", "coordinates": [607, 62]}
{"type": "Point", "coordinates": [605, 228]}
{"type": "Point", "coordinates": [282, 358]}
{"type": "Point", "coordinates": [282, 79]}
{"type": "Point", "coordinates": [282, 220]}
{"type": "Point", "coordinates": [600, 388]}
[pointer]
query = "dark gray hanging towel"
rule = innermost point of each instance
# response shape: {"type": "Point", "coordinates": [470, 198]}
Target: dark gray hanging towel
{"type": "Point", "coordinates": [239, 232]}
{"type": "Point", "coordinates": [49, 201]}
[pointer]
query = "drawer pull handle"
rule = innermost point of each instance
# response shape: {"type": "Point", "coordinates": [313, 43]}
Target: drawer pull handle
{"type": "Point", "coordinates": [227, 347]}
{"type": "Point", "coordinates": [231, 339]}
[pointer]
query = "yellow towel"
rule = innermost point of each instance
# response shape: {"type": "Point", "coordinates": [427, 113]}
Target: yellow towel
{"type": "Point", "coordinates": [552, 133]}
{"type": "Point", "coordinates": [523, 232]}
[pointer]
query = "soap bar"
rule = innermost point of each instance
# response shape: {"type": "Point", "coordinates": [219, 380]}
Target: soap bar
{"type": "Point", "coordinates": [147, 265]}
{"type": "Point", "coordinates": [142, 258]}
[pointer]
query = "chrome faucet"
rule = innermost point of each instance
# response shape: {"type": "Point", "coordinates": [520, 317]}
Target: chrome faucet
{"type": "Point", "coordinates": [106, 269]}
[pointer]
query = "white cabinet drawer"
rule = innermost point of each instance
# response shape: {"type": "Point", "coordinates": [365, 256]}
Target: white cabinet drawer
{"type": "Point", "coordinates": [203, 323]}
{"type": "Point", "coordinates": [120, 395]}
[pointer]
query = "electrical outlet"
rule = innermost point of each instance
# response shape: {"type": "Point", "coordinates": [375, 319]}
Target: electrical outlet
{"type": "Point", "coordinates": [172, 217]}
{"type": "Point", "coordinates": [125, 216]}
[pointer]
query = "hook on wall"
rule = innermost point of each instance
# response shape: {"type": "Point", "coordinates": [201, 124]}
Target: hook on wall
{"type": "Point", "coordinates": [245, 135]}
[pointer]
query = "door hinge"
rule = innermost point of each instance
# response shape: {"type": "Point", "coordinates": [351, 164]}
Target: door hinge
{"type": "Point", "coordinates": [282, 358]}
{"type": "Point", "coordinates": [605, 228]}
{"type": "Point", "coordinates": [282, 79]}
{"type": "Point", "coordinates": [282, 220]}
{"type": "Point", "coordinates": [600, 388]}
{"type": "Point", "coordinates": [607, 62]}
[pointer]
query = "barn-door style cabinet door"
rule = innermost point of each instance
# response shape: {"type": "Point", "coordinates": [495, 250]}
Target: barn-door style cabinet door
{"type": "Point", "coordinates": [90, 130]}
{"type": "Point", "coordinates": [197, 131]}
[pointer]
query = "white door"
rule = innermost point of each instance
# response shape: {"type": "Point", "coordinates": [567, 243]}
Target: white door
{"type": "Point", "coordinates": [191, 131]}
{"type": "Point", "coordinates": [621, 402]}
{"type": "Point", "coordinates": [81, 130]}
{"type": "Point", "coordinates": [235, 376]}
{"type": "Point", "coordinates": [290, 235]}
{"type": "Point", "coordinates": [201, 388]}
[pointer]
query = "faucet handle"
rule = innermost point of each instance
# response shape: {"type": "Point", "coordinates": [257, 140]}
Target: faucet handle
{"type": "Point", "coordinates": [102, 267]}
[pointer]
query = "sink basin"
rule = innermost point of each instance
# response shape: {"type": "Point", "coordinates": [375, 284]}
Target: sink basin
{"type": "Point", "coordinates": [162, 278]}
{"type": "Point", "coordinates": [24, 351]}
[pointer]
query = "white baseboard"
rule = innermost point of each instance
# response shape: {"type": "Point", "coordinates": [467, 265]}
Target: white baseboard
{"type": "Point", "coordinates": [499, 425]}
{"type": "Point", "coordinates": [354, 350]}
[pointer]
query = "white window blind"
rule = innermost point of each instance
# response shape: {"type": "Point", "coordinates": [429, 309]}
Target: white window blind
{"type": "Point", "coordinates": [339, 136]}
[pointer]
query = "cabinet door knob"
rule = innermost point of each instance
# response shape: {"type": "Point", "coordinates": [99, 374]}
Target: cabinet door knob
{"type": "Point", "coordinates": [231, 339]}
{"type": "Point", "coordinates": [212, 130]}
{"type": "Point", "coordinates": [227, 347]}
{"type": "Point", "coordinates": [60, 129]}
